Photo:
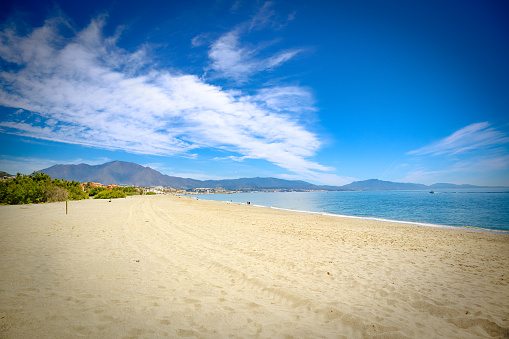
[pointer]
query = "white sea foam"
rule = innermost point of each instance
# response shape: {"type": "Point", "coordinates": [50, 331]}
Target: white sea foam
{"type": "Point", "coordinates": [464, 228]}
{"type": "Point", "coordinates": [484, 211]}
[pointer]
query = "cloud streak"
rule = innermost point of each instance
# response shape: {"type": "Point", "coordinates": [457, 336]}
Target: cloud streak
{"type": "Point", "coordinates": [476, 148]}
{"type": "Point", "coordinates": [81, 88]}
{"type": "Point", "coordinates": [27, 165]}
{"type": "Point", "coordinates": [232, 59]}
{"type": "Point", "coordinates": [496, 161]}
{"type": "Point", "coordinates": [472, 137]}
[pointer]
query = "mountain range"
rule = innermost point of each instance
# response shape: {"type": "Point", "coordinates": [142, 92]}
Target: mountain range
{"type": "Point", "coordinates": [128, 173]}
{"type": "Point", "coordinates": [380, 185]}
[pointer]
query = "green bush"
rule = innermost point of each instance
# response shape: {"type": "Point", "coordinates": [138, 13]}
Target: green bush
{"type": "Point", "coordinates": [129, 190]}
{"type": "Point", "coordinates": [95, 190]}
{"type": "Point", "coordinates": [74, 188]}
{"type": "Point", "coordinates": [151, 193]}
{"type": "Point", "coordinates": [38, 187]}
{"type": "Point", "coordinates": [107, 194]}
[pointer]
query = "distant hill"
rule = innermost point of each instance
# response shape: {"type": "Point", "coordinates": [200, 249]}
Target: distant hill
{"type": "Point", "coordinates": [449, 186]}
{"type": "Point", "coordinates": [118, 173]}
{"type": "Point", "coordinates": [128, 173]}
{"type": "Point", "coordinates": [5, 174]}
{"type": "Point", "coordinates": [379, 185]}
{"type": "Point", "coordinates": [264, 183]}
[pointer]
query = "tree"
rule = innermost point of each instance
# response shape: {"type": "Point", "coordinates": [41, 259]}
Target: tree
{"type": "Point", "coordinates": [37, 188]}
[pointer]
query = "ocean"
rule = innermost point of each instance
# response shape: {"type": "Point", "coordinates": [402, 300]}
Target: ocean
{"type": "Point", "coordinates": [457, 208]}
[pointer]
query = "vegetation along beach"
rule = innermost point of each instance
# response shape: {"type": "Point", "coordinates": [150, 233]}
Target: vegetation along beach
{"type": "Point", "coordinates": [153, 266]}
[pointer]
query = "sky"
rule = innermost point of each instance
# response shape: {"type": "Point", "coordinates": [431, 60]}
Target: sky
{"type": "Point", "coordinates": [328, 92]}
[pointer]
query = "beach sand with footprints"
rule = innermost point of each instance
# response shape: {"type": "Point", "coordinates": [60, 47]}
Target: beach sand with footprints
{"type": "Point", "coordinates": [154, 266]}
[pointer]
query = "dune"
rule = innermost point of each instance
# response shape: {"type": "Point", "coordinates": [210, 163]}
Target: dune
{"type": "Point", "coordinates": [155, 266]}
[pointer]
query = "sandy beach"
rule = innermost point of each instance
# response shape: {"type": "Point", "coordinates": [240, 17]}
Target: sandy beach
{"type": "Point", "coordinates": [154, 266]}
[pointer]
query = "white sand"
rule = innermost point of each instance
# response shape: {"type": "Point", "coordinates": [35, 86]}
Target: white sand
{"type": "Point", "coordinates": [156, 266]}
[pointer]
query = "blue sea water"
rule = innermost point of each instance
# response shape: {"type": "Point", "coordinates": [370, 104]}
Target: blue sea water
{"type": "Point", "coordinates": [470, 208]}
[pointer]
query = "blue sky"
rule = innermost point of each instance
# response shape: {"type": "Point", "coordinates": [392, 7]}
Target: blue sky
{"type": "Point", "coordinates": [327, 92]}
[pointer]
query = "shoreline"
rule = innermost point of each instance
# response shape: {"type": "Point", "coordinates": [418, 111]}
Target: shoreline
{"type": "Point", "coordinates": [423, 224]}
{"type": "Point", "coordinates": [155, 266]}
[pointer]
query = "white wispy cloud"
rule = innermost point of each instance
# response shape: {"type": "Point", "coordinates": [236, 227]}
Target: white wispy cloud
{"type": "Point", "coordinates": [463, 171]}
{"type": "Point", "coordinates": [427, 176]}
{"type": "Point", "coordinates": [81, 88]}
{"type": "Point", "coordinates": [461, 156]}
{"type": "Point", "coordinates": [27, 165]}
{"type": "Point", "coordinates": [232, 59]}
{"type": "Point", "coordinates": [237, 60]}
{"type": "Point", "coordinates": [472, 137]}
{"type": "Point", "coordinates": [293, 99]}
{"type": "Point", "coordinates": [200, 40]}
{"type": "Point", "coordinates": [231, 157]}
{"type": "Point", "coordinates": [495, 160]}
{"type": "Point", "coordinates": [267, 16]}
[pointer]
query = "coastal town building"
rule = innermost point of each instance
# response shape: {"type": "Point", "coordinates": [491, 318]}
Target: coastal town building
{"type": "Point", "coordinates": [156, 190]}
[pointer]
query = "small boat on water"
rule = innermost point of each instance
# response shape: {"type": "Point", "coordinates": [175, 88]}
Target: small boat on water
{"type": "Point", "coordinates": [432, 192]}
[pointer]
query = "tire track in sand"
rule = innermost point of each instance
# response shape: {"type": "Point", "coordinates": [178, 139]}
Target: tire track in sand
{"type": "Point", "coordinates": [194, 250]}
